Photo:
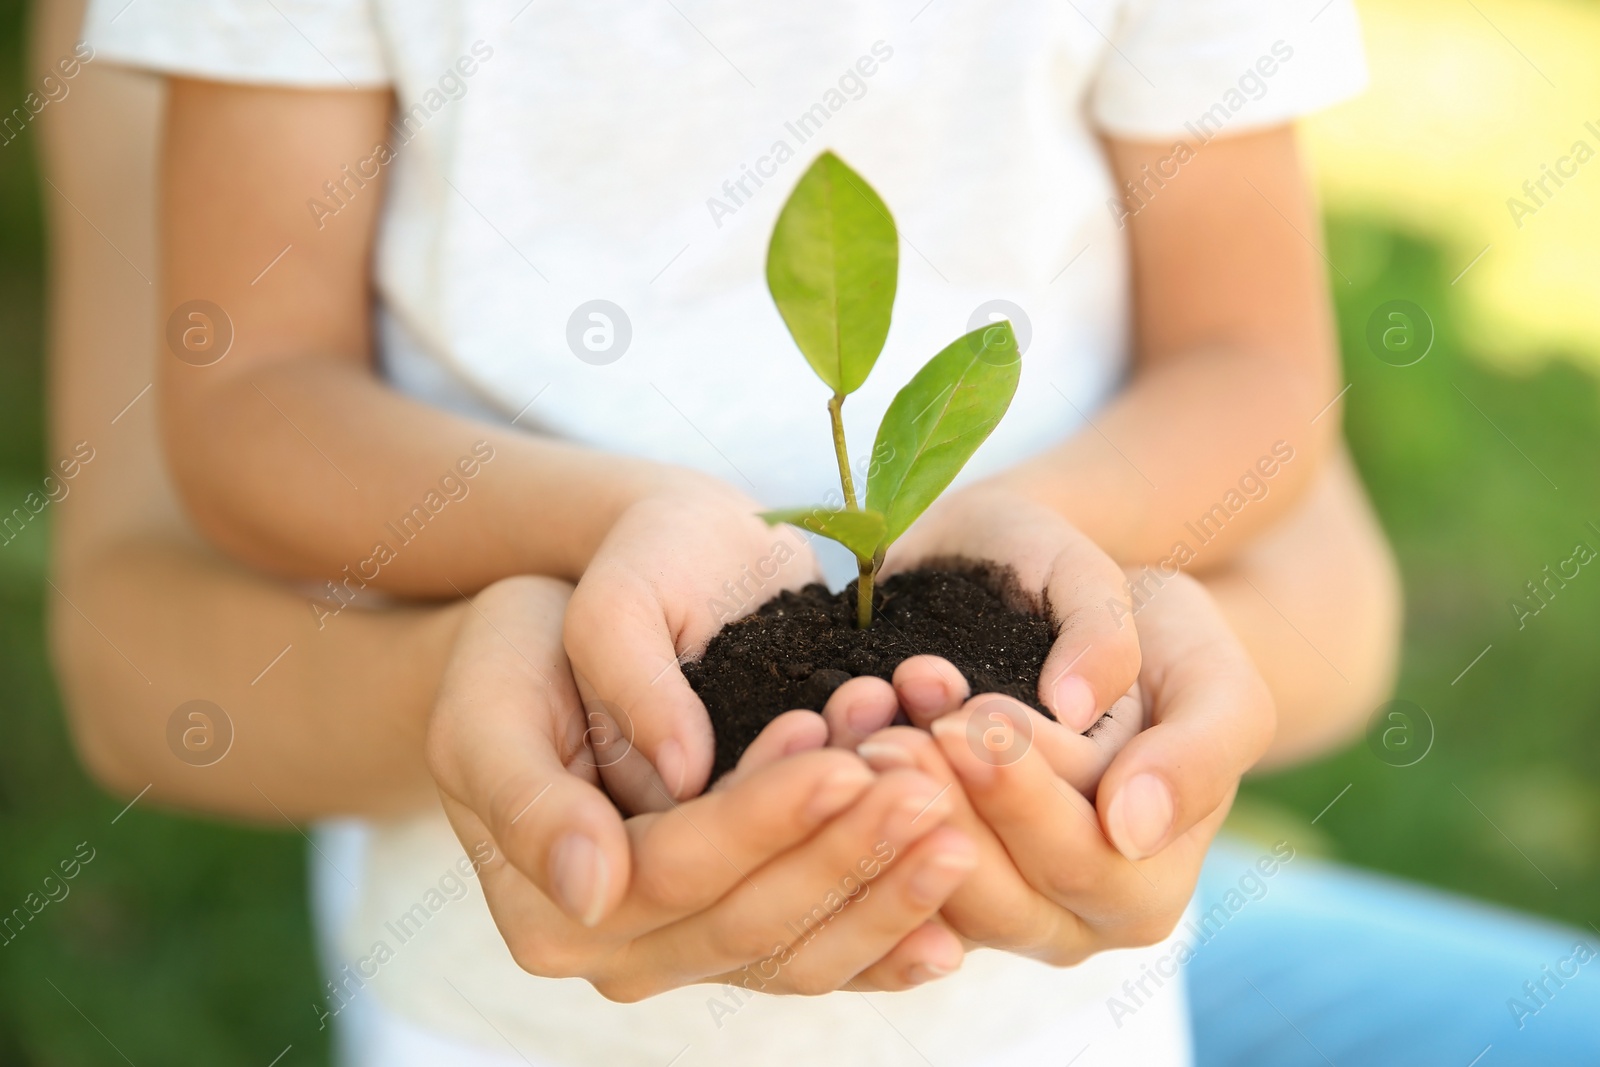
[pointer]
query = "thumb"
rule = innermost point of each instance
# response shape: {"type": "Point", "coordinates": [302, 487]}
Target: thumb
{"type": "Point", "coordinates": [1095, 657]}
{"type": "Point", "coordinates": [553, 827]}
{"type": "Point", "coordinates": [1212, 718]}
{"type": "Point", "coordinates": [650, 733]}
{"type": "Point", "coordinates": [506, 747]}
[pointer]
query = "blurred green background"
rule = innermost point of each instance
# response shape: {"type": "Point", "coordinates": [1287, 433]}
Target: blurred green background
{"type": "Point", "coordinates": [1481, 458]}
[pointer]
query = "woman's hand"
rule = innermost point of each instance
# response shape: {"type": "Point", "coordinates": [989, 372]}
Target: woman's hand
{"type": "Point", "coordinates": [800, 877]}
{"type": "Point", "coordinates": [673, 570]}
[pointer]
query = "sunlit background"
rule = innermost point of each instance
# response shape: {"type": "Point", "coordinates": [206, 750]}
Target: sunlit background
{"type": "Point", "coordinates": [1484, 459]}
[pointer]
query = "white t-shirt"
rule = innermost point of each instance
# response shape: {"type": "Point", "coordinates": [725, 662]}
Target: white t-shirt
{"type": "Point", "coordinates": [547, 156]}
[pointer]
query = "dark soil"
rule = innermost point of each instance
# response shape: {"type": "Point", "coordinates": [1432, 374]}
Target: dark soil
{"type": "Point", "coordinates": [801, 646]}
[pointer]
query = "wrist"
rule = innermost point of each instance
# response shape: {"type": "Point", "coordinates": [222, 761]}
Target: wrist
{"type": "Point", "coordinates": [617, 485]}
{"type": "Point", "coordinates": [634, 485]}
{"type": "Point", "coordinates": [1101, 511]}
{"type": "Point", "coordinates": [994, 494]}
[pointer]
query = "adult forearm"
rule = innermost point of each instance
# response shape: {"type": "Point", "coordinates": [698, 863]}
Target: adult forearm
{"type": "Point", "coordinates": [1194, 459]}
{"type": "Point", "coordinates": [299, 722]}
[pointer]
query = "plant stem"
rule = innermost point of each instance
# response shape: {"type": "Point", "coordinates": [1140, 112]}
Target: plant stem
{"type": "Point", "coordinates": [868, 568]}
{"type": "Point", "coordinates": [869, 571]}
{"type": "Point", "coordinates": [836, 416]}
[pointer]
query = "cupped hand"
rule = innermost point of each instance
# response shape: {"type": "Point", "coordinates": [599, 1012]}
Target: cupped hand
{"type": "Point", "coordinates": [1060, 876]}
{"type": "Point", "coordinates": [672, 571]}
{"type": "Point", "coordinates": [1074, 861]}
{"type": "Point", "coordinates": [706, 891]}
{"type": "Point", "coordinates": [1095, 658]}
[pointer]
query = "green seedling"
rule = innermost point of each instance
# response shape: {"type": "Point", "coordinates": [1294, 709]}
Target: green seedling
{"type": "Point", "coordinates": [832, 268]}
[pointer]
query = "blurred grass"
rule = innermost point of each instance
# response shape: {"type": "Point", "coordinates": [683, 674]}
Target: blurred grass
{"type": "Point", "coordinates": [189, 943]}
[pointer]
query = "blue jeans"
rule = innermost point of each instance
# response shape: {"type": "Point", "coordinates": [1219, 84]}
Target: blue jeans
{"type": "Point", "coordinates": [1317, 965]}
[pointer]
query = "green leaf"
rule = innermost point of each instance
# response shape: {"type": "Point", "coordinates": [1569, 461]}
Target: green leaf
{"type": "Point", "coordinates": [859, 531]}
{"type": "Point", "coordinates": [938, 421]}
{"type": "Point", "coordinates": [831, 267]}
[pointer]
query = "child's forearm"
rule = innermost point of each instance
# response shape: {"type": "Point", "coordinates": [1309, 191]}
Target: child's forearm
{"type": "Point", "coordinates": [1196, 457]}
{"type": "Point", "coordinates": [1228, 417]}
{"type": "Point", "coordinates": [288, 450]}
{"type": "Point", "coordinates": [312, 468]}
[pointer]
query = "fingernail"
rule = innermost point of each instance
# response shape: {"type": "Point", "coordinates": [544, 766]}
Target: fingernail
{"type": "Point", "coordinates": [922, 810]}
{"type": "Point", "coordinates": [939, 877]}
{"type": "Point", "coordinates": [579, 877]}
{"type": "Point", "coordinates": [975, 771]}
{"type": "Point", "coordinates": [837, 791]}
{"type": "Point", "coordinates": [1140, 816]}
{"type": "Point", "coordinates": [864, 717]}
{"type": "Point", "coordinates": [1073, 702]}
{"type": "Point", "coordinates": [923, 695]}
{"type": "Point", "coordinates": [670, 765]}
{"type": "Point", "coordinates": [884, 755]}
{"type": "Point", "coordinates": [922, 973]}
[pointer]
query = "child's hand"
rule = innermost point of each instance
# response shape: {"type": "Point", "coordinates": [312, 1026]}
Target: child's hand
{"type": "Point", "coordinates": [927, 688]}
{"type": "Point", "coordinates": [667, 899]}
{"type": "Point", "coordinates": [670, 573]}
{"type": "Point", "coordinates": [1095, 658]}
{"type": "Point", "coordinates": [1060, 878]}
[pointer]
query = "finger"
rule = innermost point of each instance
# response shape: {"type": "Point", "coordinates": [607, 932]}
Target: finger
{"type": "Point", "coordinates": [994, 907]}
{"type": "Point", "coordinates": [928, 953]}
{"type": "Point", "coordinates": [689, 857]}
{"type": "Point", "coordinates": [928, 687]}
{"type": "Point", "coordinates": [857, 709]}
{"type": "Point", "coordinates": [832, 947]}
{"type": "Point", "coordinates": [1081, 759]}
{"type": "Point", "coordinates": [560, 832]}
{"type": "Point", "coordinates": [541, 938]}
{"type": "Point", "coordinates": [1105, 900]}
{"type": "Point", "coordinates": [1048, 828]}
{"type": "Point", "coordinates": [749, 924]}
{"type": "Point", "coordinates": [1212, 719]}
{"type": "Point", "coordinates": [791, 733]}
{"type": "Point", "coordinates": [506, 742]}
{"type": "Point", "coordinates": [1095, 656]}
{"type": "Point", "coordinates": [1094, 659]}
{"type": "Point", "coordinates": [653, 736]}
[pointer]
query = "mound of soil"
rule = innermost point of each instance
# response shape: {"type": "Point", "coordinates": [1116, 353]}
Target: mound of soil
{"type": "Point", "coordinates": [801, 646]}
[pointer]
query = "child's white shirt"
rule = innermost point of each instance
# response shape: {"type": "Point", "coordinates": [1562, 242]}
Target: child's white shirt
{"type": "Point", "coordinates": [545, 157]}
